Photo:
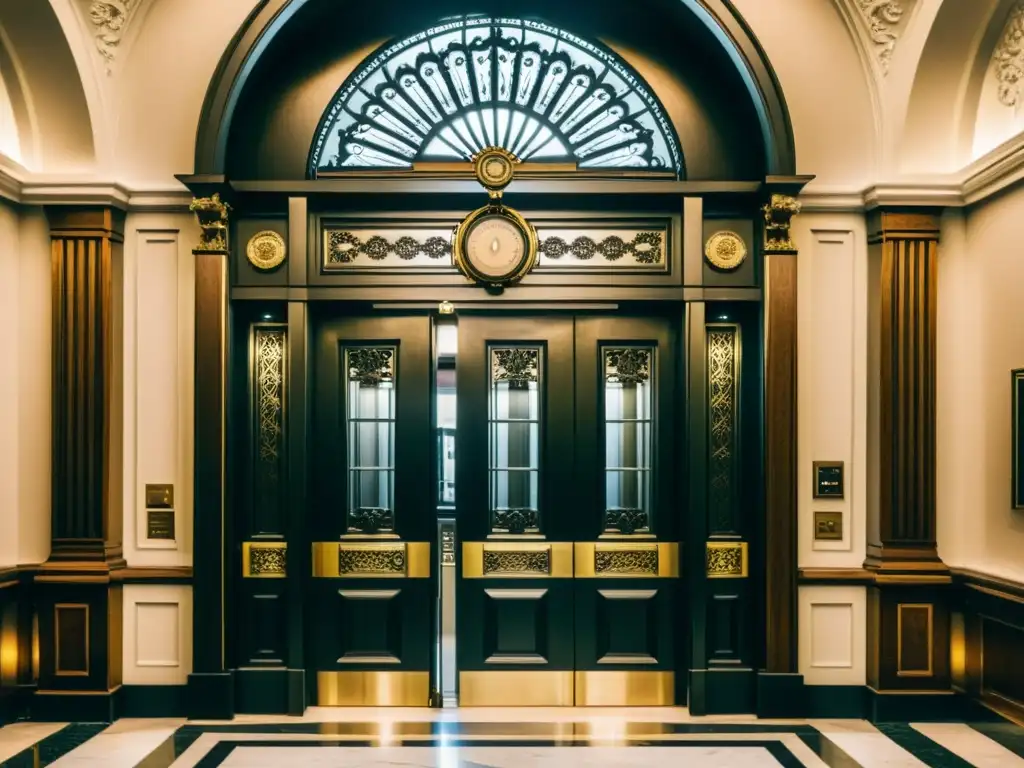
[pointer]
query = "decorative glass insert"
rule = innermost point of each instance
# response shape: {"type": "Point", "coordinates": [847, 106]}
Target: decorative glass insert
{"type": "Point", "coordinates": [370, 422]}
{"type": "Point", "coordinates": [628, 439]}
{"type": "Point", "coordinates": [514, 439]}
{"type": "Point", "coordinates": [540, 92]}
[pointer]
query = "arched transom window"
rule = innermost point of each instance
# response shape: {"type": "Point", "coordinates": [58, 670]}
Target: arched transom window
{"type": "Point", "coordinates": [538, 91]}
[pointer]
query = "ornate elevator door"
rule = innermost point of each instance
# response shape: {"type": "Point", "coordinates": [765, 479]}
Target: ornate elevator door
{"type": "Point", "coordinates": [370, 606]}
{"type": "Point", "coordinates": [567, 487]}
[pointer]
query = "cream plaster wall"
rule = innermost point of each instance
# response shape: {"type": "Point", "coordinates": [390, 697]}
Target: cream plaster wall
{"type": "Point", "coordinates": [24, 386]}
{"type": "Point", "coordinates": [833, 635]}
{"type": "Point", "coordinates": [157, 634]}
{"type": "Point", "coordinates": [980, 339]}
{"type": "Point", "coordinates": [832, 379]}
{"type": "Point", "coordinates": [158, 369]}
{"type": "Point", "coordinates": [162, 85]}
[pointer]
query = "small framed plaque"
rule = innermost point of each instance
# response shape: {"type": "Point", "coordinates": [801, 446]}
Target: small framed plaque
{"type": "Point", "coordinates": [1017, 427]}
{"type": "Point", "coordinates": [828, 480]}
{"type": "Point", "coordinates": [160, 524]}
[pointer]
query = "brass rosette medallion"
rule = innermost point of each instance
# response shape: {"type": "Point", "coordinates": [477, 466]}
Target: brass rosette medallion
{"type": "Point", "coordinates": [494, 168]}
{"type": "Point", "coordinates": [725, 250]}
{"type": "Point", "coordinates": [266, 250]}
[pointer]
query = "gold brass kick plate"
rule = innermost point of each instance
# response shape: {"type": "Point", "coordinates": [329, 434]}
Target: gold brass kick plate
{"type": "Point", "coordinates": [828, 526]}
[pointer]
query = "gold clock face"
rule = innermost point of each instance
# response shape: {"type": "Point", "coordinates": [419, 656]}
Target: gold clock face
{"type": "Point", "coordinates": [495, 245]}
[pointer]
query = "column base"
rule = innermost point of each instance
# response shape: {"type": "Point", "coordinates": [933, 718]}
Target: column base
{"type": "Point", "coordinates": [211, 696]}
{"type": "Point", "coordinates": [780, 695]}
{"type": "Point", "coordinates": [78, 706]}
{"type": "Point", "coordinates": [917, 706]}
{"type": "Point", "coordinates": [270, 691]}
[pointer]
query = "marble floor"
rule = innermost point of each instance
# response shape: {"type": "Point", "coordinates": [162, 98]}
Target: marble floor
{"type": "Point", "coordinates": [509, 738]}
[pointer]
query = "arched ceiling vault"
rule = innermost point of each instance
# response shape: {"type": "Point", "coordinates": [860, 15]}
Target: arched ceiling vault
{"type": "Point", "coordinates": [878, 91]}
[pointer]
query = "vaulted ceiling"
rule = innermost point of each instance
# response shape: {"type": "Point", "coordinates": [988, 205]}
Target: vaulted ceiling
{"type": "Point", "coordinates": [880, 92]}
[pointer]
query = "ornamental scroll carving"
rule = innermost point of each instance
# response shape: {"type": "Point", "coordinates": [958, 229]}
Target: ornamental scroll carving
{"type": "Point", "coordinates": [726, 560]}
{"type": "Point", "coordinates": [646, 247]}
{"type": "Point", "coordinates": [381, 561]}
{"type": "Point", "coordinates": [110, 19]}
{"type": "Point", "coordinates": [371, 366]}
{"type": "Point", "coordinates": [269, 376]}
{"type": "Point", "coordinates": [268, 561]}
{"type": "Point", "coordinates": [882, 18]}
{"type": "Point", "coordinates": [1008, 58]}
{"type": "Point", "coordinates": [517, 364]}
{"type": "Point", "coordinates": [212, 214]}
{"type": "Point", "coordinates": [778, 214]}
{"type": "Point", "coordinates": [627, 366]}
{"type": "Point", "coordinates": [518, 563]}
{"type": "Point", "coordinates": [346, 246]}
{"type": "Point", "coordinates": [626, 561]}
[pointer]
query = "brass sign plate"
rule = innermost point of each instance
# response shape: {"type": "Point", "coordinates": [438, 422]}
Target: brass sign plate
{"type": "Point", "coordinates": [160, 524]}
{"type": "Point", "coordinates": [159, 496]}
{"type": "Point", "coordinates": [828, 526]}
{"type": "Point", "coordinates": [828, 480]}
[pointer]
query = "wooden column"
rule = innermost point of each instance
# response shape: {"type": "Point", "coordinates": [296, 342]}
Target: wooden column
{"type": "Point", "coordinates": [79, 608]}
{"type": "Point", "coordinates": [779, 685]}
{"type": "Point", "coordinates": [210, 686]}
{"type": "Point", "coordinates": [908, 618]}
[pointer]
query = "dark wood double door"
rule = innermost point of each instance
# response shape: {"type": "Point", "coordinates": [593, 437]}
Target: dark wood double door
{"type": "Point", "coordinates": [567, 488]}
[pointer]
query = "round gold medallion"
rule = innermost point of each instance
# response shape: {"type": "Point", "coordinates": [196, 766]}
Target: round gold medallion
{"type": "Point", "coordinates": [494, 168]}
{"type": "Point", "coordinates": [495, 246]}
{"type": "Point", "coordinates": [725, 250]}
{"type": "Point", "coordinates": [265, 250]}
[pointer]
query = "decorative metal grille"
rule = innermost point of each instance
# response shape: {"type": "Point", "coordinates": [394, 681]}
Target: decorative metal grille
{"type": "Point", "coordinates": [645, 247]}
{"type": "Point", "coordinates": [269, 354]}
{"type": "Point", "coordinates": [268, 561]}
{"type": "Point", "coordinates": [475, 82]}
{"type": "Point", "coordinates": [626, 561]}
{"type": "Point", "coordinates": [496, 562]}
{"type": "Point", "coordinates": [722, 351]}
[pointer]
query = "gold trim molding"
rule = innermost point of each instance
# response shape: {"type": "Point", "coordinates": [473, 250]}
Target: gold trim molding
{"type": "Point", "coordinates": [517, 560]}
{"type": "Point", "coordinates": [264, 559]}
{"type": "Point", "coordinates": [371, 560]}
{"type": "Point", "coordinates": [727, 560]}
{"type": "Point", "coordinates": [373, 689]}
{"type": "Point", "coordinates": [518, 688]}
{"type": "Point", "coordinates": [626, 560]}
{"type": "Point", "coordinates": [625, 689]}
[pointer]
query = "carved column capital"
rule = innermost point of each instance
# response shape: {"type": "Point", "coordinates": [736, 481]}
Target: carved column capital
{"type": "Point", "coordinates": [778, 213]}
{"type": "Point", "coordinates": [212, 215]}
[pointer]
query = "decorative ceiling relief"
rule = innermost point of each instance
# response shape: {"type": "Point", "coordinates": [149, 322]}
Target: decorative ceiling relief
{"type": "Point", "coordinates": [1008, 58]}
{"type": "Point", "coordinates": [110, 20]}
{"type": "Point", "coordinates": [539, 92]}
{"type": "Point", "coordinates": [883, 18]}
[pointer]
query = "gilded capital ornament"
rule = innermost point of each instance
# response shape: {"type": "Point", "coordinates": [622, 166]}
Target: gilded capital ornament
{"type": "Point", "coordinates": [212, 215]}
{"type": "Point", "coordinates": [778, 212]}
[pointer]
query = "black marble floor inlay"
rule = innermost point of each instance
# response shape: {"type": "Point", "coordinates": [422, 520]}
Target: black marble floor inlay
{"type": "Point", "coordinates": [920, 746]}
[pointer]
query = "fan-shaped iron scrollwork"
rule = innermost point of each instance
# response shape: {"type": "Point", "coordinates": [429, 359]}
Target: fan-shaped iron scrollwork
{"type": "Point", "coordinates": [532, 89]}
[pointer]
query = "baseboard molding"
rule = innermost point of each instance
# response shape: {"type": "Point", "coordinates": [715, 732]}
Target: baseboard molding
{"type": "Point", "coordinates": [914, 706]}
{"type": "Point", "coordinates": [270, 691]}
{"type": "Point", "coordinates": [836, 701]}
{"type": "Point", "coordinates": [77, 706]}
{"type": "Point", "coordinates": [723, 691]}
{"type": "Point", "coordinates": [155, 701]}
{"type": "Point", "coordinates": [211, 696]}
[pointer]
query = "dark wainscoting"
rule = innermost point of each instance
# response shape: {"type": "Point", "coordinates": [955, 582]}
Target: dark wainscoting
{"type": "Point", "coordinates": [987, 637]}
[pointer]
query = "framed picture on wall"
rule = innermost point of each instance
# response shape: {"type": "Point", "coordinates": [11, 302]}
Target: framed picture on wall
{"type": "Point", "coordinates": [1017, 428]}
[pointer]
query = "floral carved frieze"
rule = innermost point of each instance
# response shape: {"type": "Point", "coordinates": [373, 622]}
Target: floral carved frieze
{"type": "Point", "coordinates": [1008, 58]}
{"type": "Point", "coordinates": [882, 18]}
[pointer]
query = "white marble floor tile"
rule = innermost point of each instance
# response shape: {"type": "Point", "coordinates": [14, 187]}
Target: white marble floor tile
{"type": "Point", "coordinates": [17, 737]}
{"type": "Point", "coordinates": [500, 757]}
{"type": "Point", "coordinates": [974, 747]}
{"type": "Point", "coordinates": [866, 744]}
{"type": "Point", "coordinates": [125, 744]}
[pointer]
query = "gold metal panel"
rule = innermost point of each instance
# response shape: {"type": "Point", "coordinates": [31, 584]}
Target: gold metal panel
{"type": "Point", "coordinates": [625, 689]}
{"type": "Point", "coordinates": [371, 559]}
{"type": "Point", "coordinates": [517, 559]}
{"type": "Point", "coordinates": [264, 559]}
{"type": "Point", "coordinates": [727, 559]}
{"type": "Point", "coordinates": [506, 688]}
{"type": "Point", "coordinates": [627, 559]}
{"type": "Point", "coordinates": [373, 689]}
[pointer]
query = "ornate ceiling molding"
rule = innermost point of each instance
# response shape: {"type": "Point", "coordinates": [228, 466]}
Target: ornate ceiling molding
{"type": "Point", "coordinates": [1008, 58]}
{"type": "Point", "coordinates": [882, 18]}
{"type": "Point", "coordinates": [110, 20]}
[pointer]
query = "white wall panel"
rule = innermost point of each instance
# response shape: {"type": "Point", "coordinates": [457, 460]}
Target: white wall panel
{"type": "Point", "coordinates": [157, 634]}
{"type": "Point", "coordinates": [831, 386]}
{"type": "Point", "coordinates": [833, 635]}
{"type": "Point", "coordinates": [158, 382]}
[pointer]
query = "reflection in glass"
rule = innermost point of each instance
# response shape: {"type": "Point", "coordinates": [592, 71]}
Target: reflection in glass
{"type": "Point", "coordinates": [370, 423]}
{"type": "Point", "coordinates": [514, 439]}
{"type": "Point", "coordinates": [446, 344]}
{"type": "Point", "coordinates": [628, 438]}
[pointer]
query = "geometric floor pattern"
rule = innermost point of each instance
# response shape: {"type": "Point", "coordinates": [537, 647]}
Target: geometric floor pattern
{"type": "Point", "coordinates": [510, 738]}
